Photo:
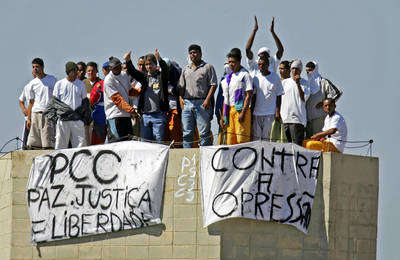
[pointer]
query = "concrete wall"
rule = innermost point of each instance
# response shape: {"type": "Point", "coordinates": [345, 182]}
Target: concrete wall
{"type": "Point", "coordinates": [343, 223]}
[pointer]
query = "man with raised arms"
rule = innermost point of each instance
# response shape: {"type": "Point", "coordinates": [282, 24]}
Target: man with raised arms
{"type": "Point", "coordinates": [153, 99]}
{"type": "Point", "coordinates": [266, 103]}
{"type": "Point", "coordinates": [273, 60]}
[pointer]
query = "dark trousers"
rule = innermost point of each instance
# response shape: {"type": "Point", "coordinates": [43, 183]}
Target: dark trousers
{"type": "Point", "coordinates": [118, 129]}
{"type": "Point", "coordinates": [294, 133]}
{"type": "Point", "coordinates": [25, 137]}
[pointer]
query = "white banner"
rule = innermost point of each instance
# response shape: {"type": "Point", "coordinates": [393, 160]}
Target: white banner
{"type": "Point", "coordinates": [259, 180]}
{"type": "Point", "coordinates": [96, 189]}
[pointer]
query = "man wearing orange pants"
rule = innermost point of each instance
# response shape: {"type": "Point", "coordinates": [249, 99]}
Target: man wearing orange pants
{"type": "Point", "coordinates": [334, 127]}
{"type": "Point", "coordinates": [237, 89]}
{"type": "Point", "coordinates": [173, 130]}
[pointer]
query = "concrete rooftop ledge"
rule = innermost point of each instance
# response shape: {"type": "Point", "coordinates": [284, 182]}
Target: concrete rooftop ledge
{"type": "Point", "coordinates": [343, 222]}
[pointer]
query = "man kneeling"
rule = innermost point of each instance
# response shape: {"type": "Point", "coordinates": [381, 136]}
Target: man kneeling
{"type": "Point", "coordinates": [334, 129]}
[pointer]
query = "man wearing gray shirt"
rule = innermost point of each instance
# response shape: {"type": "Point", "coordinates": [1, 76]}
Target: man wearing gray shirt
{"type": "Point", "coordinates": [197, 84]}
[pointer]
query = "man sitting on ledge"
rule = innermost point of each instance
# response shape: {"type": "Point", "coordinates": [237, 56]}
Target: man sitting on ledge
{"type": "Point", "coordinates": [334, 129]}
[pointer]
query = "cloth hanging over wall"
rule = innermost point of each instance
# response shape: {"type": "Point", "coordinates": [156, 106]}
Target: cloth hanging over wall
{"type": "Point", "coordinates": [96, 189]}
{"type": "Point", "coordinates": [259, 180]}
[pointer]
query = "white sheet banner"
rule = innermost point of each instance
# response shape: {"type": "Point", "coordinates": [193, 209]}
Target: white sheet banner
{"type": "Point", "coordinates": [96, 189]}
{"type": "Point", "coordinates": [259, 180]}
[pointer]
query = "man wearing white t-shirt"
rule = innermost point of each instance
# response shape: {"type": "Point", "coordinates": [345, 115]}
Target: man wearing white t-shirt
{"type": "Point", "coordinates": [334, 129]}
{"type": "Point", "coordinates": [41, 133]}
{"type": "Point", "coordinates": [273, 60]}
{"type": "Point", "coordinates": [266, 103]}
{"type": "Point", "coordinates": [117, 89]}
{"type": "Point", "coordinates": [237, 89]}
{"type": "Point", "coordinates": [71, 91]}
{"type": "Point", "coordinates": [293, 108]}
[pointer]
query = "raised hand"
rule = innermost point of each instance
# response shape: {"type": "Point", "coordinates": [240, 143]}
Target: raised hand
{"type": "Point", "coordinates": [127, 56]}
{"type": "Point", "coordinates": [157, 54]}
{"type": "Point", "coordinates": [272, 25]}
{"type": "Point", "coordinates": [255, 24]}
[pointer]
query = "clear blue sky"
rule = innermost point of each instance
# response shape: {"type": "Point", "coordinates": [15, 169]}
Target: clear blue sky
{"type": "Point", "coordinates": [355, 42]}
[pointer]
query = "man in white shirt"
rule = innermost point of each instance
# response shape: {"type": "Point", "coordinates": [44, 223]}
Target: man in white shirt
{"type": "Point", "coordinates": [72, 92]}
{"type": "Point", "coordinates": [273, 60]}
{"type": "Point", "coordinates": [41, 133]}
{"type": "Point", "coordinates": [284, 69]}
{"type": "Point", "coordinates": [117, 89]}
{"type": "Point", "coordinates": [334, 131]}
{"type": "Point", "coordinates": [237, 89]}
{"type": "Point", "coordinates": [293, 108]}
{"type": "Point", "coordinates": [266, 103]}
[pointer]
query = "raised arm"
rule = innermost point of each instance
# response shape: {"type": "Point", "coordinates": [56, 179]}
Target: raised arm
{"type": "Point", "coordinates": [278, 43]}
{"type": "Point", "coordinates": [132, 71]}
{"type": "Point", "coordinates": [249, 44]}
{"type": "Point", "coordinates": [163, 66]}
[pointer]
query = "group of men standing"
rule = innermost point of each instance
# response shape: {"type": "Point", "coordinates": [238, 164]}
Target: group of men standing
{"type": "Point", "coordinates": [160, 101]}
{"type": "Point", "coordinates": [254, 102]}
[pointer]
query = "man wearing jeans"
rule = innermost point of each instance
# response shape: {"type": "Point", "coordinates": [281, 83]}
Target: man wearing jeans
{"type": "Point", "coordinates": [153, 99]}
{"type": "Point", "coordinates": [197, 84]}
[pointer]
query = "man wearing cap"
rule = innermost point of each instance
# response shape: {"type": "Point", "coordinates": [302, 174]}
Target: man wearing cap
{"type": "Point", "coordinates": [273, 61]}
{"type": "Point", "coordinates": [197, 84]}
{"type": "Point", "coordinates": [41, 134]}
{"type": "Point", "coordinates": [293, 107]}
{"type": "Point", "coordinates": [71, 92]}
{"type": "Point", "coordinates": [117, 89]}
{"type": "Point", "coordinates": [106, 68]}
{"type": "Point", "coordinates": [320, 89]}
